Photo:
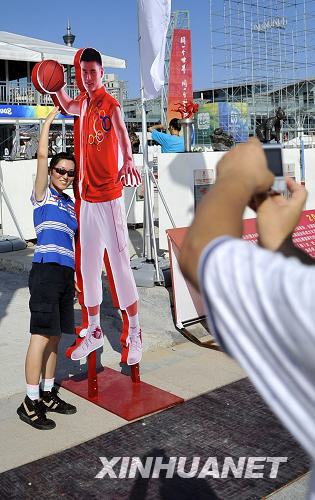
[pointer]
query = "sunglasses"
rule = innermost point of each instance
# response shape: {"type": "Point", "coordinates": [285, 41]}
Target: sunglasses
{"type": "Point", "coordinates": [63, 171]}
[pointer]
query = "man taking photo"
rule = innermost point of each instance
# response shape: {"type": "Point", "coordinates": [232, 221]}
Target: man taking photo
{"type": "Point", "coordinates": [259, 302]}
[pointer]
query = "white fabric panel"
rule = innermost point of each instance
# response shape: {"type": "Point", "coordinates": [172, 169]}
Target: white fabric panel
{"type": "Point", "coordinates": [154, 18]}
{"type": "Point", "coordinates": [22, 48]}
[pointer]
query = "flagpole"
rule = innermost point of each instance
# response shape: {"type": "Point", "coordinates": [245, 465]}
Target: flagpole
{"type": "Point", "coordinates": [148, 222]}
{"type": "Point", "coordinates": [147, 253]}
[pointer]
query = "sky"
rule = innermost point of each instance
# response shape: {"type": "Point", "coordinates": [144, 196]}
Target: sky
{"type": "Point", "coordinates": [110, 26]}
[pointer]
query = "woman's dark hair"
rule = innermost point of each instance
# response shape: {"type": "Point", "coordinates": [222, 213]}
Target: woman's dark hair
{"type": "Point", "coordinates": [91, 54]}
{"type": "Point", "coordinates": [61, 156]}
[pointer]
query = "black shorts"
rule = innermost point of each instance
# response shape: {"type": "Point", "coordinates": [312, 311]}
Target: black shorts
{"type": "Point", "coordinates": [51, 303]}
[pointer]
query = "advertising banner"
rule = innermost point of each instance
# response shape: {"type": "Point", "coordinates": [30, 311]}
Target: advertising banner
{"type": "Point", "coordinates": [303, 236]}
{"type": "Point", "coordinates": [206, 120]}
{"type": "Point", "coordinates": [234, 119]}
{"type": "Point", "coordinates": [180, 79]}
{"type": "Point", "coordinates": [20, 111]}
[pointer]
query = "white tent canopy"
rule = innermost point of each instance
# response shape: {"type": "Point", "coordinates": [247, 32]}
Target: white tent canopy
{"type": "Point", "coordinates": [22, 48]}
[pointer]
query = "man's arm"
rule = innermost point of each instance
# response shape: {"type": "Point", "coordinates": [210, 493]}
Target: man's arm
{"type": "Point", "coordinates": [123, 138]}
{"type": "Point", "coordinates": [259, 305]}
{"type": "Point", "coordinates": [159, 126]}
{"type": "Point", "coordinates": [241, 173]}
{"type": "Point", "coordinates": [71, 106]}
{"type": "Point", "coordinates": [125, 146]}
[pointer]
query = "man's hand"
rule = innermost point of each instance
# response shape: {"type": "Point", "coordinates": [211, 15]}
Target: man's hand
{"type": "Point", "coordinates": [129, 175]}
{"type": "Point", "coordinates": [278, 216]}
{"type": "Point", "coordinates": [159, 126]}
{"type": "Point", "coordinates": [246, 163]}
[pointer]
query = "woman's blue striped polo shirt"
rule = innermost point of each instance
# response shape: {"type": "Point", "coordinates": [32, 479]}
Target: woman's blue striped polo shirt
{"type": "Point", "coordinates": [55, 226]}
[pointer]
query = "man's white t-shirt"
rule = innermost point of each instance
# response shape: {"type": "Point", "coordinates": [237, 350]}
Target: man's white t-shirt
{"type": "Point", "coordinates": [261, 308]}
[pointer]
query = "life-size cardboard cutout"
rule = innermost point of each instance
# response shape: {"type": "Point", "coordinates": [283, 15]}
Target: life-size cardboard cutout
{"type": "Point", "coordinates": [98, 133]}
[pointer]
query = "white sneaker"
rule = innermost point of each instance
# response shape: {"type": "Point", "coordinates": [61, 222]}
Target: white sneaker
{"type": "Point", "coordinates": [93, 340]}
{"type": "Point", "coordinates": [135, 346]}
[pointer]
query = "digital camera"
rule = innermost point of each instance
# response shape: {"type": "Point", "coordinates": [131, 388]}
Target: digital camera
{"type": "Point", "coordinates": [273, 154]}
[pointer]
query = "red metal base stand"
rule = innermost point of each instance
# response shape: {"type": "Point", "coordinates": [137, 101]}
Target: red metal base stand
{"type": "Point", "coordinates": [118, 394]}
{"type": "Point", "coordinates": [127, 397]}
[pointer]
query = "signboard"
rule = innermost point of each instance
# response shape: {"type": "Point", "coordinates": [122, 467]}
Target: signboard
{"type": "Point", "coordinates": [303, 236]}
{"type": "Point", "coordinates": [276, 22]}
{"type": "Point", "coordinates": [203, 180]}
{"type": "Point", "coordinates": [21, 111]}
{"type": "Point", "coordinates": [206, 121]}
{"type": "Point", "coordinates": [180, 80]}
{"type": "Point", "coordinates": [188, 305]}
{"type": "Point", "coordinates": [232, 117]}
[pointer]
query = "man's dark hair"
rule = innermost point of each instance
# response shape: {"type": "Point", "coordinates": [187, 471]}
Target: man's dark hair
{"type": "Point", "coordinates": [175, 124]}
{"type": "Point", "coordinates": [61, 156]}
{"type": "Point", "coordinates": [89, 54]}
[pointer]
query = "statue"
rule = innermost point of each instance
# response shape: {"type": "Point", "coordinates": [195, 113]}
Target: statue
{"type": "Point", "coordinates": [270, 129]}
{"type": "Point", "coordinates": [221, 141]}
{"type": "Point", "coordinates": [135, 141]}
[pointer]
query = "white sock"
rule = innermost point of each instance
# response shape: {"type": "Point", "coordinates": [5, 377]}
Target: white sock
{"type": "Point", "coordinates": [134, 321]}
{"type": "Point", "coordinates": [47, 384]}
{"type": "Point", "coordinates": [32, 391]}
{"type": "Point", "coordinates": [94, 320]}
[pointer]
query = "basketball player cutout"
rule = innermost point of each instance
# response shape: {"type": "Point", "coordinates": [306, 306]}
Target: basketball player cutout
{"type": "Point", "coordinates": [103, 224]}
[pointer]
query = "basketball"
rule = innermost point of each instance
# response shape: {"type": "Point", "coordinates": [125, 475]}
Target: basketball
{"type": "Point", "coordinates": [50, 75]}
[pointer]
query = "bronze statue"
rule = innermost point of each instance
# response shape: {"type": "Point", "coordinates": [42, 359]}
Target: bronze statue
{"type": "Point", "coordinates": [270, 129]}
{"type": "Point", "coordinates": [134, 140]}
{"type": "Point", "coordinates": [221, 141]}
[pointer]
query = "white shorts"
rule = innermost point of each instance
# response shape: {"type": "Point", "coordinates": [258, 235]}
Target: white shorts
{"type": "Point", "coordinates": [103, 226]}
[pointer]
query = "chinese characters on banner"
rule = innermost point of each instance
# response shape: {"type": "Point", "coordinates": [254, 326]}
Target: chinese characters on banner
{"type": "Point", "coordinates": [180, 88]}
{"type": "Point", "coordinates": [303, 236]}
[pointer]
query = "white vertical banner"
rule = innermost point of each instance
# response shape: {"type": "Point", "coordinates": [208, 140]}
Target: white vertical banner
{"type": "Point", "coordinates": [154, 18]}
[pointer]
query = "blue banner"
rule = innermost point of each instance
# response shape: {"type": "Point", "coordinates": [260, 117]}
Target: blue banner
{"type": "Point", "coordinates": [20, 111]}
{"type": "Point", "coordinates": [233, 118]}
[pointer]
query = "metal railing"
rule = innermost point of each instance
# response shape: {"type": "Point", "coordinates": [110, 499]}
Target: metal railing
{"type": "Point", "coordinates": [26, 94]}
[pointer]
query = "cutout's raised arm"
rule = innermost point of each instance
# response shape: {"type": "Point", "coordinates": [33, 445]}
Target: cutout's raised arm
{"type": "Point", "coordinates": [71, 106]}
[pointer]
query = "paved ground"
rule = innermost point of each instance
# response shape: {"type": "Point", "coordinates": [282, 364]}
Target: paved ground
{"type": "Point", "coordinates": [170, 362]}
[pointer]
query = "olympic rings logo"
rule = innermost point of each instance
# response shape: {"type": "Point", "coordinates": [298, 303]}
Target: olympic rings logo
{"type": "Point", "coordinates": [106, 121]}
{"type": "Point", "coordinates": [101, 124]}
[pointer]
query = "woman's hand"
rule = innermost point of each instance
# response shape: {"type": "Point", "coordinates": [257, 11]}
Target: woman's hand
{"type": "Point", "coordinates": [52, 115]}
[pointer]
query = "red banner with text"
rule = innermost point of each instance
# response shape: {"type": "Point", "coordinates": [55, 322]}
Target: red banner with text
{"type": "Point", "coordinates": [180, 89]}
{"type": "Point", "coordinates": [303, 236]}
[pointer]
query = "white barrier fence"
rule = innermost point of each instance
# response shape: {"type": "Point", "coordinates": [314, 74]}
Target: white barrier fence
{"type": "Point", "coordinates": [18, 178]}
{"type": "Point", "coordinates": [176, 181]}
{"type": "Point", "coordinates": [177, 176]}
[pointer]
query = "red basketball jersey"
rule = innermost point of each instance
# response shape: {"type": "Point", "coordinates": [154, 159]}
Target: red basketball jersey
{"type": "Point", "coordinates": [99, 149]}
